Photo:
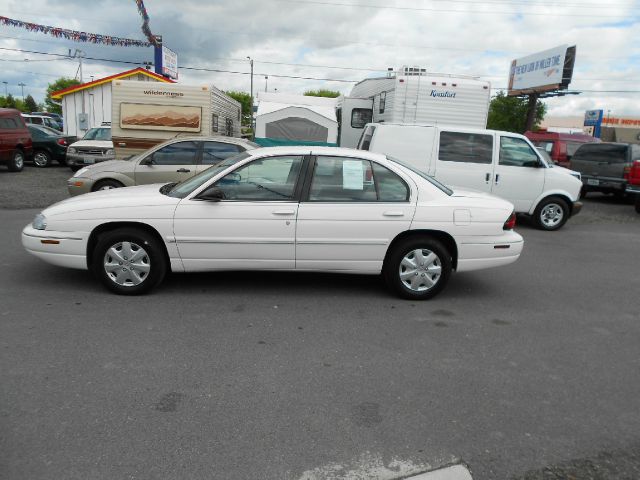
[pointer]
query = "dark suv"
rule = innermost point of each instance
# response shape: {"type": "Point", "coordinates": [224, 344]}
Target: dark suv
{"type": "Point", "coordinates": [15, 140]}
{"type": "Point", "coordinates": [605, 167]}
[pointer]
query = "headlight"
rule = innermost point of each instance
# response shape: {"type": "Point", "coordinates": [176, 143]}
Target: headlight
{"type": "Point", "coordinates": [109, 152]}
{"type": "Point", "coordinates": [40, 222]}
{"type": "Point", "coordinates": [71, 150]}
{"type": "Point", "coordinates": [80, 172]}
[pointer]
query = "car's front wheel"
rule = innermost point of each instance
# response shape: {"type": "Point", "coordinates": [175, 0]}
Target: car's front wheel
{"type": "Point", "coordinates": [16, 164]}
{"type": "Point", "coordinates": [41, 159]}
{"type": "Point", "coordinates": [551, 213]}
{"type": "Point", "coordinates": [107, 185]}
{"type": "Point", "coordinates": [418, 268]}
{"type": "Point", "coordinates": [129, 261]}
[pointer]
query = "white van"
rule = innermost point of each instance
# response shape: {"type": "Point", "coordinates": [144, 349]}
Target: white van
{"type": "Point", "coordinates": [502, 163]}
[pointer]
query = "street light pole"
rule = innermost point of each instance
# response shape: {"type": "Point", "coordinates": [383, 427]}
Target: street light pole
{"type": "Point", "coordinates": [6, 91]}
{"type": "Point", "coordinates": [251, 64]}
{"type": "Point", "coordinates": [22, 85]}
{"type": "Point", "coordinates": [266, 79]}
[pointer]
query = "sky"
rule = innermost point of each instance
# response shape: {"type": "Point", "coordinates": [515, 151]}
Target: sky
{"type": "Point", "coordinates": [335, 43]}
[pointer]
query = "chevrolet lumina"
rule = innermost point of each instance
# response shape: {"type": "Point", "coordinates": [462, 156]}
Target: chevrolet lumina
{"type": "Point", "coordinates": [282, 208]}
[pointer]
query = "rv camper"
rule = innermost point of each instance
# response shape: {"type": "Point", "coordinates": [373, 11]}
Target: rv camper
{"type": "Point", "coordinates": [284, 119]}
{"type": "Point", "coordinates": [413, 96]}
{"type": "Point", "coordinates": [144, 115]}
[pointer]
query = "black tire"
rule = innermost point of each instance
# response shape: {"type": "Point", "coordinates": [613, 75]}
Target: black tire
{"type": "Point", "coordinates": [74, 168]}
{"type": "Point", "coordinates": [551, 213]}
{"type": "Point", "coordinates": [394, 268]}
{"type": "Point", "coordinates": [16, 164]}
{"type": "Point", "coordinates": [637, 202]}
{"type": "Point", "coordinates": [110, 254]}
{"type": "Point", "coordinates": [63, 161]}
{"type": "Point", "coordinates": [41, 159]}
{"type": "Point", "coordinates": [107, 184]}
{"type": "Point", "coordinates": [583, 192]}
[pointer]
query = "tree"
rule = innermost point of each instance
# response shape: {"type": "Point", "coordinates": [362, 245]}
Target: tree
{"type": "Point", "coordinates": [322, 93]}
{"type": "Point", "coordinates": [9, 101]}
{"type": "Point", "coordinates": [245, 101]}
{"type": "Point", "coordinates": [510, 113]}
{"type": "Point", "coordinates": [59, 84]}
{"type": "Point", "coordinates": [30, 104]}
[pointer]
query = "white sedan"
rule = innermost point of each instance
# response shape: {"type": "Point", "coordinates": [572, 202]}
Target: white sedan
{"type": "Point", "coordinates": [296, 208]}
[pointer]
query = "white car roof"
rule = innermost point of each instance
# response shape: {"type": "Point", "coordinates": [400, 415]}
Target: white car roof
{"type": "Point", "coordinates": [445, 126]}
{"type": "Point", "coordinates": [313, 150]}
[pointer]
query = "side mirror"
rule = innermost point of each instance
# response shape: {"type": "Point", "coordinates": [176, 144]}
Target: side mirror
{"type": "Point", "coordinates": [231, 178]}
{"type": "Point", "coordinates": [147, 161]}
{"type": "Point", "coordinates": [212, 194]}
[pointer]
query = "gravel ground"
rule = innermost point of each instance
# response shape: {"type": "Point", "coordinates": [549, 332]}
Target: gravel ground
{"type": "Point", "coordinates": [33, 187]}
{"type": "Point", "coordinates": [40, 187]}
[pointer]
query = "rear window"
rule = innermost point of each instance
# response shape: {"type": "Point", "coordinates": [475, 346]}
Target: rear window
{"type": "Point", "coordinates": [360, 117]}
{"type": "Point", "coordinates": [601, 153]}
{"type": "Point", "coordinates": [545, 145]}
{"type": "Point", "coordinates": [367, 135]}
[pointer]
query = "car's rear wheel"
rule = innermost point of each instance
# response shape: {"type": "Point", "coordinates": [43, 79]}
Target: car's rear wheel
{"type": "Point", "coordinates": [16, 164]}
{"type": "Point", "coordinates": [41, 159]}
{"type": "Point", "coordinates": [638, 202]}
{"type": "Point", "coordinates": [418, 268]}
{"type": "Point", "coordinates": [106, 185]}
{"type": "Point", "coordinates": [551, 213]}
{"type": "Point", "coordinates": [129, 261]}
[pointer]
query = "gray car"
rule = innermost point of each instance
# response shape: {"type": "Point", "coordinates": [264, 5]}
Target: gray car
{"type": "Point", "coordinates": [605, 166]}
{"type": "Point", "coordinates": [171, 161]}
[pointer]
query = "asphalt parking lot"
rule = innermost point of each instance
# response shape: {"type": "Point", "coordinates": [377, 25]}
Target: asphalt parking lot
{"type": "Point", "coordinates": [530, 371]}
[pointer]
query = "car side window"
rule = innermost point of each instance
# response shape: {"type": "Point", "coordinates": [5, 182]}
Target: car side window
{"type": "Point", "coordinates": [515, 152]}
{"type": "Point", "coordinates": [341, 179]}
{"type": "Point", "coordinates": [266, 179]}
{"type": "Point", "coordinates": [215, 152]}
{"type": "Point", "coordinates": [390, 187]}
{"type": "Point", "coordinates": [465, 147]}
{"type": "Point", "coordinates": [180, 153]}
{"type": "Point", "coordinates": [36, 133]}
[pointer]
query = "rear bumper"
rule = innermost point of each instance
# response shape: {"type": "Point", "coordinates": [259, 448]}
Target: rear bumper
{"type": "Point", "coordinates": [475, 253]}
{"type": "Point", "coordinates": [596, 184]}
{"type": "Point", "coordinates": [633, 189]}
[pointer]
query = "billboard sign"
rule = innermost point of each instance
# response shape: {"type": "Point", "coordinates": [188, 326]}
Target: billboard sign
{"type": "Point", "coordinates": [543, 71]}
{"type": "Point", "coordinates": [593, 118]}
{"type": "Point", "coordinates": [166, 62]}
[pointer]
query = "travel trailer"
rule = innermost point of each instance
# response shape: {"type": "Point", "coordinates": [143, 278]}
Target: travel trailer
{"type": "Point", "coordinates": [284, 119]}
{"type": "Point", "coordinates": [144, 115]}
{"type": "Point", "coordinates": [413, 95]}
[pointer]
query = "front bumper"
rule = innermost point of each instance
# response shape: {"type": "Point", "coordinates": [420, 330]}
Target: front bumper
{"type": "Point", "coordinates": [78, 159]}
{"type": "Point", "coordinates": [65, 249]}
{"type": "Point", "coordinates": [577, 206]}
{"type": "Point", "coordinates": [79, 185]}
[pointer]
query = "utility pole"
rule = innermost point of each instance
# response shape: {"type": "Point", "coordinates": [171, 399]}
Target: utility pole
{"type": "Point", "coordinates": [79, 54]}
{"type": "Point", "coordinates": [266, 79]}
{"type": "Point", "coordinates": [22, 85]}
{"type": "Point", "coordinates": [251, 64]}
{"type": "Point", "coordinates": [6, 91]}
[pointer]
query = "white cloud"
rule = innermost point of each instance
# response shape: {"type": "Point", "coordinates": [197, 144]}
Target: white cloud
{"type": "Point", "coordinates": [480, 39]}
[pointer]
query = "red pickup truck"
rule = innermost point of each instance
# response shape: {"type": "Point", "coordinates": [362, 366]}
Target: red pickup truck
{"type": "Point", "coordinates": [633, 182]}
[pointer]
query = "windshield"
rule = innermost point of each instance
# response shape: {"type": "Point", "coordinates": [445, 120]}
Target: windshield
{"type": "Point", "coordinates": [428, 178]}
{"type": "Point", "coordinates": [183, 189]}
{"type": "Point", "coordinates": [98, 134]}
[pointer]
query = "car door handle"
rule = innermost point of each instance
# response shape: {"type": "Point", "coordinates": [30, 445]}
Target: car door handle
{"type": "Point", "coordinates": [487, 177]}
{"type": "Point", "coordinates": [497, 178]}
{"type": "Point", "coordinates": [283, 212]}
{"type": "Point", "coordinates": [395, 213]}
{"type": "Point", "coordinates": [183, 170]}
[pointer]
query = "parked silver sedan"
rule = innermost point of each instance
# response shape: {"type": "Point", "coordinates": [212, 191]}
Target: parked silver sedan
{"type": "Point", "coordinates": [171, 161]}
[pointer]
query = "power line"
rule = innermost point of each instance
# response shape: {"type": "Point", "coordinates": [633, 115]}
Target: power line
{"type": "Point", "coordinates": [442, 10]}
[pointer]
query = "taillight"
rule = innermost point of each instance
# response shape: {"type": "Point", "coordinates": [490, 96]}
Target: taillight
{"type": "Point", "coordinates": [634, 173]}
{"type": "Point", "coordinates": [511, 222]}
{"type": "Point", "coordinates": [62, 141]}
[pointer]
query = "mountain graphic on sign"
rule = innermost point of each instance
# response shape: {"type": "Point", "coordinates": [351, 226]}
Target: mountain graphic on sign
{"type": "Point", "coordinates": [167, 118]}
